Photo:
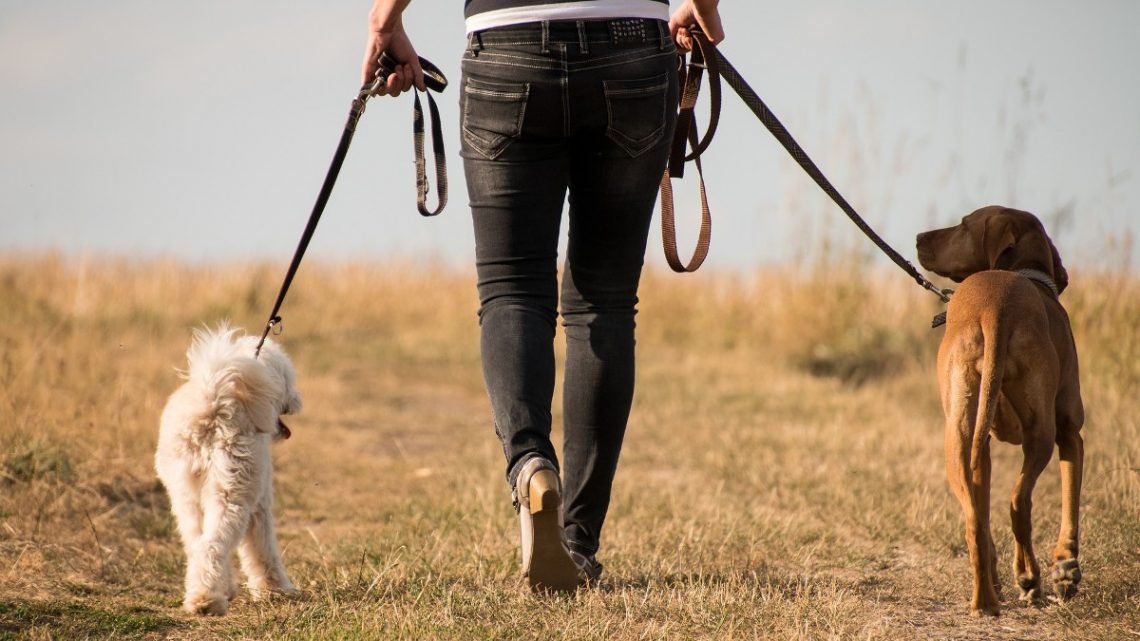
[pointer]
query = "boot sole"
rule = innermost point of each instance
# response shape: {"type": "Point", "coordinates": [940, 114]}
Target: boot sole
{"type": "Point", "coordinates": [551, 568]}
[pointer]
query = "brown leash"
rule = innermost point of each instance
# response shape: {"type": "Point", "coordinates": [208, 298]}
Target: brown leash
{"type": "Point", "coordinates": [705, 57]}
{"type": "Point", "coordinates": [689, 79]}
{"type": "Point", "coordinates": [434, 80]}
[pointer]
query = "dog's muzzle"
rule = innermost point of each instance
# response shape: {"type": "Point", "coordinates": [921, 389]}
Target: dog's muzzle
{"type": "Point", "coordinates": [283, 429]}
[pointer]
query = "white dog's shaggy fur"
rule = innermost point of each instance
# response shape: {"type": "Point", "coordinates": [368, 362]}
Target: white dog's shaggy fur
{"type": "Point", "coordinates": [214, 459]}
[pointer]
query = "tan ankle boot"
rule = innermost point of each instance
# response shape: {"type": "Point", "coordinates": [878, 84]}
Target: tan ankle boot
{"type": "Point", "coordinates": [546, 563]}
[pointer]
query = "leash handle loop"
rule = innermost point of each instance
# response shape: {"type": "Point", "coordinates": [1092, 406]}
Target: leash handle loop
{"type": "Point", "coordinates": [689, 74]}
{"type": "Point", "coordinates": [668, 222]}
{"type": "Point", "coordinates": [434, 79]}
{"type": "Point", "coordinates": [438, 153]}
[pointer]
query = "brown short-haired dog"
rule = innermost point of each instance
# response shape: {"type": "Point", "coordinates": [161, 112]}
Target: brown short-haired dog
{"type": "Point", "coordinates": [1007, 365]}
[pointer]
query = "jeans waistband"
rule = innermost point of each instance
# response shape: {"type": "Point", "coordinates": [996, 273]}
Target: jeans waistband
{"type": "Point", "coordinates": [614, 31]}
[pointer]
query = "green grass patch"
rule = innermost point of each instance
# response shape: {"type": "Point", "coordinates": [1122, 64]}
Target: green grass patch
{"type": "Point", "coordinates": [79, 620]}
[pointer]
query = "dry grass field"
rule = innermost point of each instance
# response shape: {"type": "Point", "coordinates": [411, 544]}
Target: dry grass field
{"type": "Point", "coordinates": [782, 477]}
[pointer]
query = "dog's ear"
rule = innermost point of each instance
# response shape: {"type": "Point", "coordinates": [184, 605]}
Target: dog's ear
{"type": "Point", "coordinates": [1060, 276]}
{"type": "Point", "coordinates": [998, 238]}
{"type": "Point", "coordinates": [1034, 249]}
{"type": "Point", "coordinates": [1015, 239]}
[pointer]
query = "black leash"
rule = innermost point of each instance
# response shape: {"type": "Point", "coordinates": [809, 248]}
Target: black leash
{"type": "Point", "coordinates": [707, 57]}
{"type": "Point", "coordinates": [434, 80]}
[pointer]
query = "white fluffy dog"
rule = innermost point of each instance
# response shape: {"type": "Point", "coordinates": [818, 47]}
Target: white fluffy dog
{"type": "Point", "coordinates": [214, 459]}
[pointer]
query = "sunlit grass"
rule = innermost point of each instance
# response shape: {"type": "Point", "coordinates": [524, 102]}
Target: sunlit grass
{"type": "Point", "coordinates": [782, 476]}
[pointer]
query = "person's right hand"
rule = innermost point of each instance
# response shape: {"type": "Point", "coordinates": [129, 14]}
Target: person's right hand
{"type": "Point", "coordinates": [699, 13]}
{"type": "Point", "coordinates": [396, 42]}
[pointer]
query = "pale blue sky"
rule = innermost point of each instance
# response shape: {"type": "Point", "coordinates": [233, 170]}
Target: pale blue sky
{"type": "Point", "coordinates": [202, 130]}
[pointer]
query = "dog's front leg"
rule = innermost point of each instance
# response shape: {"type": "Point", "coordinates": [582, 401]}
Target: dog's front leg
{"type": "Point", "coordinates": [208, 573]}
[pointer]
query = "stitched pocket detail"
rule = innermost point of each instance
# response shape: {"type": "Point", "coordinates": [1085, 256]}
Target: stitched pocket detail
{"type": "Point", "coordinates": [493, 114]}
{"type": "Point", "coordinates": [635, 111]}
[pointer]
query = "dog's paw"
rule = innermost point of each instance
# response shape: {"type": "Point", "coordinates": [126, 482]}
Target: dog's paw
{"type": "Point", "coordinates": [289, 590]}
{"type": "Point", "coordinates": [206, 604]}
{"type": "Point", "coordinates": [986, 610]}
{"type": "Point", "coordinates": [1066, 577]}
{"type": "Point", "coordinates": [266, 592]}
{"type": "Point", "coordinates": [231, 588]}
{"type": "Point", "coordinates": [1030, 589]}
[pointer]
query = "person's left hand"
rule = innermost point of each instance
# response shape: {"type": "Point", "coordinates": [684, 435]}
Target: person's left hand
{"type": "Point", "coordinates": [396, 42]}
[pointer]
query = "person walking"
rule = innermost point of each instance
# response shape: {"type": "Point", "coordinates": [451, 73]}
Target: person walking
{"type": "Point", "coordinates": [559, 98]}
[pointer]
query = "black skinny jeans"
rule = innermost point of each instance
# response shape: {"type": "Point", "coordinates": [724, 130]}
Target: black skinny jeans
{"type": "Point", "coordinates": [588, 108]}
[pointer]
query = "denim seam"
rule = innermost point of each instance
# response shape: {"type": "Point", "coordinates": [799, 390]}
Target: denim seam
{"type": "Point", "coordinates": [497, 94]}
{"type": "Point", "coordinates": [639, 91]}
{"type": "Point", "coordinates": [564, 83]}
{"type": "Point", "coordinates": [500, 59]}
{"type": "Point", "coordinates": [638, 55]}
{"type": "Point", "coordinates": [511, 62]}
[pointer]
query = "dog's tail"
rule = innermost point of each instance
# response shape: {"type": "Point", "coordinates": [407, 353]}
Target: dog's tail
{"type": "Point", "coordinates": [226, 371]}
{"type": "Point", "coordinates": [995, 341]}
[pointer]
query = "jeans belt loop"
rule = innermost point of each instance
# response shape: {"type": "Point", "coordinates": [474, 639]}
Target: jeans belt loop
{"type": "Point", "coordinates": [545, 36]}
{"type": "Point", "coordinates": [583, 45]}
{"type": "Point", "coordinates": [663, 36]}
{"type": "Point", "coordinates": [475, 41]}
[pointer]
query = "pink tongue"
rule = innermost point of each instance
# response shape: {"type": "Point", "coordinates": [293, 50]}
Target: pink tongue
{"type": "Point", "coordinates": [283, 429]}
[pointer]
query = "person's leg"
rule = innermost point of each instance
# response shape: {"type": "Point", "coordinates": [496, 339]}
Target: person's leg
{"type": "Point", "coordinates": [617, 164]}
{"type": "Point", "coordinates": [515, 160]}
{"type": "Point", "coordinates": [515, 157]}
{"type": "Point", "coordinates": [515, 164]}
{"type": "Point", "coordinates": [516, 257]}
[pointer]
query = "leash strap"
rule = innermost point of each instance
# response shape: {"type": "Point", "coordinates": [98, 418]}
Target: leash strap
{"type": "Point", "coordinates": [777, 129]}
{"type": "Point", "coordinates": [689, 79]}
{"type": "Point", "coordinates": [668, 220]}
{"type": "Point", "coordinates": [720, 67]}
{"type": "Point", "coordinates": [437, 152]}
{"type": "Point", "coordinates": [434, 80]}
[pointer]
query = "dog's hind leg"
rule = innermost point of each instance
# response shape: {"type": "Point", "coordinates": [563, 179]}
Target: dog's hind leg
{"type": "Point", "coordinates": [1037, 449]}
{"type": "Point", "coordinates": [1066, 569]}
{"type": "Point", "coordinates": [184, 489]}
{"type": "Point", "coordinates": [209, 572]}
{"type": "Point", "coordinates": [971, 487]}
{"type": "Point", "coordinates": [260, 556]}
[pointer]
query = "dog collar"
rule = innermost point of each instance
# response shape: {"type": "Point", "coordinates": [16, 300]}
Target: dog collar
{"type": "Point", "coordinates": [1032, 274]}
{"type": "Point", "coordinates": [1041, 277]}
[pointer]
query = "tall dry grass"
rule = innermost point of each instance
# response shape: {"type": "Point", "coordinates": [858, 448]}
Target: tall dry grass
{"type": "Point", "coordinates": [782, 476]}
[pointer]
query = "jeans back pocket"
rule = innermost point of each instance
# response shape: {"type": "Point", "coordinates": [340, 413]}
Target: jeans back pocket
{"type": "Point", "coordinates": [493, 114]}
{"type": "Point", "coordinates": [635, 111]}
